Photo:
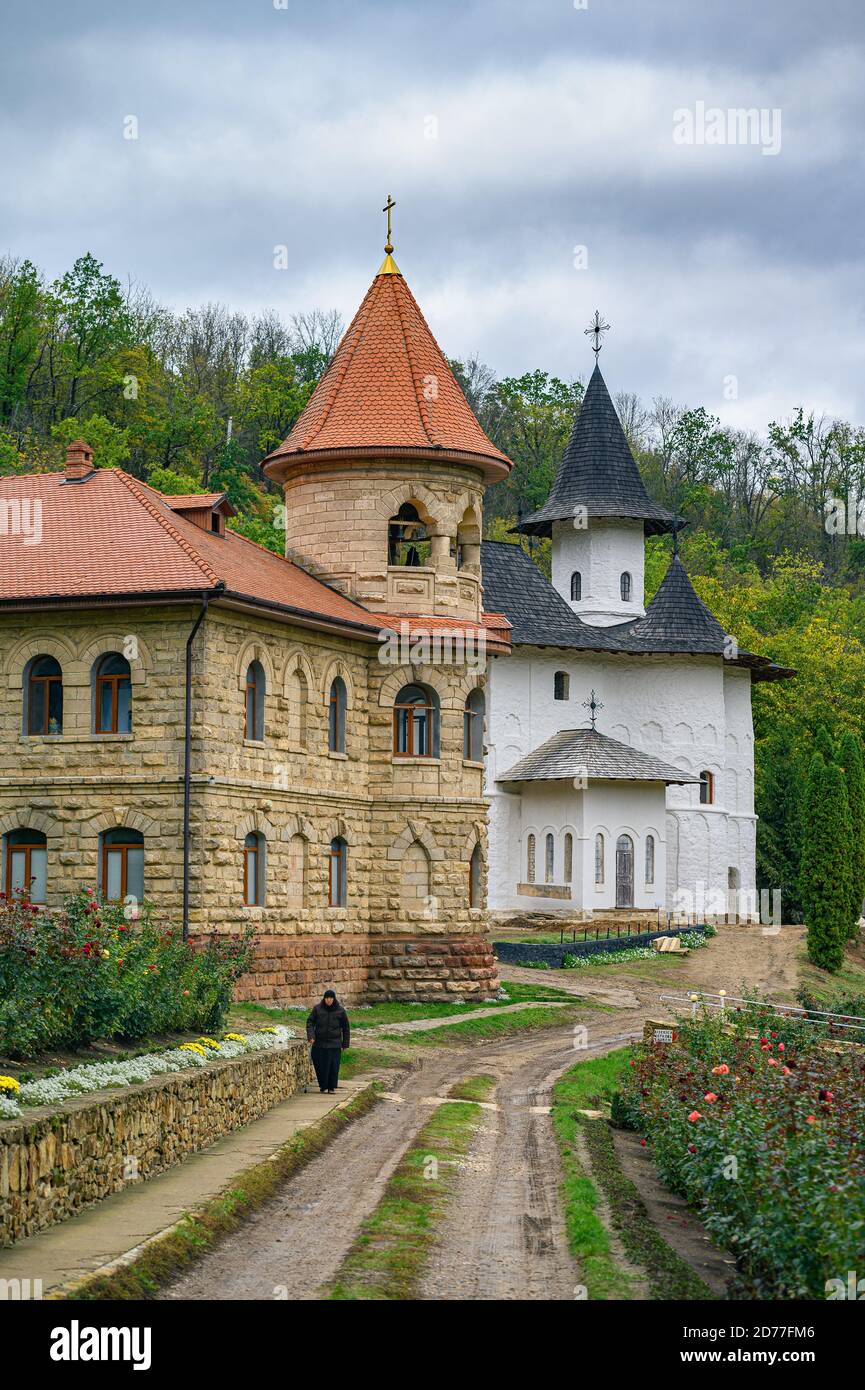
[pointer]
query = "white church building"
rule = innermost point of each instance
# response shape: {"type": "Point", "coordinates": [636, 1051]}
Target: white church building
{"type": "Point", "coordinates": [620, 746]}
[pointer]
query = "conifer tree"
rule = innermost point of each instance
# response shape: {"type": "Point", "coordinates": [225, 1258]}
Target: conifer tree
{"type": "Point", "coordinates": [850, 754]}
{"type": "Point", "coordinates": [825, 863]}
{"type": "Point", "coordinates": [823, 744]}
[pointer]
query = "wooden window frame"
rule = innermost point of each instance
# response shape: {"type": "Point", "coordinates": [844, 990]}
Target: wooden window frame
{"type": "Point", "coordinates": [470, 725]}
{"type": "Point", "coordinates": [124, 849]}
{"type": "Point", "coordinates": [46, 682]}
{"type": "Point", "coordinates": [336, 721]}
{"type": "Point", "coordinates": [27, 849]}
{"type": "Point", "coordinates": [114, 682]}
{"type": "Point", "coordinates": [429, 707]}
{"type": "Point", "coordinates": [253, 852]}
{"type": "Point", "coordinates": [707, 784]}
{"type": "Point", "coordinates": [561, 680]}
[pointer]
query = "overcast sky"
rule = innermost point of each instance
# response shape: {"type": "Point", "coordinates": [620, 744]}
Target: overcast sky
{"type": "Point", "coordinates": [512, 133]}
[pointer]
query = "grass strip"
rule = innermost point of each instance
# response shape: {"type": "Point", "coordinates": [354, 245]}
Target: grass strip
{"type": "Point", "coordinates": [168, 1255]}
{"type": "Point", "coordinates": [590, 1085]}
{"type": "Point", "coordinates": [486, 1029]}
{"type": "Point", "coordinates": [391, 1249]}
{"type": "Point", "coordinates": [398, 1012]}
{"type": "Point", "coordinates": [473, 1088]}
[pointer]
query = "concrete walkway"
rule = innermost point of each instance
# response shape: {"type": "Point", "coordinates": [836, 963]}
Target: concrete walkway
{"type": "Point", "coordinates": [119, 1223]}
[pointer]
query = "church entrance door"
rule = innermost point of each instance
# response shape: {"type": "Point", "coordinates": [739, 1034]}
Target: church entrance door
{"type": "Point", "coordinates": [624, 871]}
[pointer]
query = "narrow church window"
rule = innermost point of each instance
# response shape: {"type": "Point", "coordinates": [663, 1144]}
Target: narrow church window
{"type": "Point", "coordinates": [415, 723]}
{"type": "Point", "coordinates": [569, 857]}
{"type": "Point", "coordinates": [707, 788]}
{"type": "Point", "coordinates": [337, 888]}
{"type": "Point", "coordinates": [407, 538]}
{"type": "Point", "coordinates": [26, 864]}
{"type": "Point", "coordinates": [561, 685]}
{"type": "Point", "coordinates": [336, 716]}
{"type": "Point", "coordinates": [625, 587]}
{"type": "Point", "coordinates": [113, 695]}
{"type": "Point", "coordinates": [599, 859]}
{"type": "Point", "coordinates": [576, 586]}
{"type": "Point", "coordinates": [254, 721]}
{"type": "Point", "coordinates": [530, 859]}
{"type": "Point", "coordinates": [253, 870]}
{"type": "Point", "coordinates": [122, 865]}
{"type": "Point", "coordinates": [473, 727]}
{"type": "Point", "coordinates": [43, 692]}
{"type": "Point", "coordinates": [549, 858]}
{"type": "Point", "coordinates": [650, 859]}
{"type": "Point", "coordinates": [476, 868]}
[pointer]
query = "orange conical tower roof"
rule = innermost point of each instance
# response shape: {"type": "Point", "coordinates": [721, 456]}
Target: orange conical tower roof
{"type": "Point", "coordinates": [388, 392]}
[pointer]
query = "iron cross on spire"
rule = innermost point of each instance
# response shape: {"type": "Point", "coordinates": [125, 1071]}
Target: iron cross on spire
{"type": "Point", "coordinates": [597, 328]}
{"type": "Point", "coordinates": [593, 705]}
{"type": "Point", "coordinates": [388, 208]}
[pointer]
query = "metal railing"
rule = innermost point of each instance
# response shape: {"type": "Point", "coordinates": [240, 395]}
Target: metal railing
{"type": "Point", "coordinates": [722, 1001]}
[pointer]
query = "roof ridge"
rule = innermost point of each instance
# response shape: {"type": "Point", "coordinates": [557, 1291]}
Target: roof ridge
{"type": "Point", "coordinates": [133, 485]}
{"type": "Point", "coordinates": [426, 423]}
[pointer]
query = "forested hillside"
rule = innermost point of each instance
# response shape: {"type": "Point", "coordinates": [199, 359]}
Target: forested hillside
{"type": "Point", "coordinates": [194, 400]}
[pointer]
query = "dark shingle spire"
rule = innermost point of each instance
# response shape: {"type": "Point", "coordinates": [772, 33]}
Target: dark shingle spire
{"type": "Point", "coordinates": [598, 472]}
{"type": "Point", "coordinates": [677, 619]}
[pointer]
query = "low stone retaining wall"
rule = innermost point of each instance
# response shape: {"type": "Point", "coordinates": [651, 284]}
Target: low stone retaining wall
{"type": "Point", "coordinates": [518, 952]}
{"type": "Point", "coordinates": [56, 1160]}
{"type": "Point", "coordinates": [368, 968]}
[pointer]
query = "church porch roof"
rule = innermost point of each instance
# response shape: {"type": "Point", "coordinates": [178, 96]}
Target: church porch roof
{"type": "Point", "coordinates": [597, 757]}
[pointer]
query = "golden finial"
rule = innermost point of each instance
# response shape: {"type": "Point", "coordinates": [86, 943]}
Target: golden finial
{"type": "Point", "coordinates": [388, 265]}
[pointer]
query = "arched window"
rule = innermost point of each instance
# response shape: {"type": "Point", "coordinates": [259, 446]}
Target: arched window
{"type": "Point", "coordinates": [707, 788]}
{"type": "Point", "coordinates": [253, 869]}
{"type": "Point", "coordinates": [336, 716]}
{"type": "Point", "coordinates": [43, 696]}
{"type": "Point", "coordinates": [530, 859]}
{"type": "Point", "coordinates": [549, 858]}
{"type": "Point", "coordinates": [561, 685]}
{"type": "Point", "coordinates": [121, 867]}
{"type": "Point", "coordinates": [476, 878]}
{"type": "Point", "coordinates": [576, 586]}
{"type": "Point", "coordinates": [650, 860]}
{"type": "Point", "coordinates": [113, 695]}
{"type": "Point", "coordinates": [599, 859]}
{"type": "Point", "coordinates": [26, 854]}
{"type": "Point", "coordinates": [337, 888]}
{"type": "Point", "coordinates": [254, 707]}
{"type": "Point", "coordinates": [416, 723]}
{"type": "Point", "coordinates": [473, 727]}
{"type": "Point", "coordinates": [569, 857]}
{"type": "Point", "coordinates": [407, 538]}
{"type": "Point", "coordinates": [625, 587]}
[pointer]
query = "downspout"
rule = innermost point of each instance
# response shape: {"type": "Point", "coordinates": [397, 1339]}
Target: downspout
{"type": "Point", "coordinates": [187, 761]}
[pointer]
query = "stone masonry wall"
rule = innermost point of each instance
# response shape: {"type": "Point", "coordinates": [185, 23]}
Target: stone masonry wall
{"type": "Point", "coordinates": [54, 1164]}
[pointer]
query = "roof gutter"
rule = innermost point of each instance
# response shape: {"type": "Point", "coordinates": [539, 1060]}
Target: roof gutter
{"type": "Point", "coordinates": [187, 759]}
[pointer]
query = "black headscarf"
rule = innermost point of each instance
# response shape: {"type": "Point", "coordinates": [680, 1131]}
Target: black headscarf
{"type": "Point", "coordinates": [328, 993]}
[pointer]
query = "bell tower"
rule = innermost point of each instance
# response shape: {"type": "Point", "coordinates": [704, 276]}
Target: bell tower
{"type": "Point", "coordinates": [384, 472]}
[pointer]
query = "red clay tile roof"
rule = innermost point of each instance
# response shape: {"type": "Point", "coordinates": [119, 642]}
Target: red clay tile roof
{"type": "Point", "coordinates": [389, 390]}
{"type": "Point", "coordinates": [111, 536]}
{"type": "Point", "coordinates": [494, 626]}
{"type": "Point", "coordinates": [199, 502]}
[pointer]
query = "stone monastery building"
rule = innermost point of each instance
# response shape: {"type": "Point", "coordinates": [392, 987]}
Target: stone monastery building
{"type": "Point", "coordinates": [236, 737]}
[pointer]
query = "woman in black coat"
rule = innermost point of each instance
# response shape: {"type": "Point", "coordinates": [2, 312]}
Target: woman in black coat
{"type": "Point", "coordinates": [328, 1030]}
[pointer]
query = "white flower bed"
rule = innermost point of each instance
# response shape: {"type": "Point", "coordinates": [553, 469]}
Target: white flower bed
{"type": "Point", "coordinates": [76, 1081]}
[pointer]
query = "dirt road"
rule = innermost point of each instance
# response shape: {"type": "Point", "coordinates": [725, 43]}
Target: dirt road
{"type": "Point", "coordinates": [503, 1236]}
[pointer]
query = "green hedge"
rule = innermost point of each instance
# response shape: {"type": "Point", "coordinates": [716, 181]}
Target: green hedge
{"type": "Point", "coordinates": [89, 972]}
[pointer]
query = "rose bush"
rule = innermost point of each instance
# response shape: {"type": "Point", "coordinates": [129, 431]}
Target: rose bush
{"type": "Point", "coordinates": [764, 1134]}
{"type": "Point", "coordinates": [89, 972]}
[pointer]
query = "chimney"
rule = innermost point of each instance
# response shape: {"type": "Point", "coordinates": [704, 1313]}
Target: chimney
{"type": "Point", "coordinates": [79, 459]}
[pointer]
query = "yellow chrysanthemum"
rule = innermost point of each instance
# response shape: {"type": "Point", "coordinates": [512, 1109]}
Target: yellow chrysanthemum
{"type": "Point", "coordinates": [9, 1086]}
{"type": "Point", "coordinates": [235, 1037]}
{"type": "Point", "coordinates": [209, 1042]}
{"type": "Point", "coordinates": [193, 1047]}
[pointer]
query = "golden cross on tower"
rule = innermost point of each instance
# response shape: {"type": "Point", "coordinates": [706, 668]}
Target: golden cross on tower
{"type": "Point", "coordinates": [597, 328]}
{"type": "Point", "coordinates": [388, 207]}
